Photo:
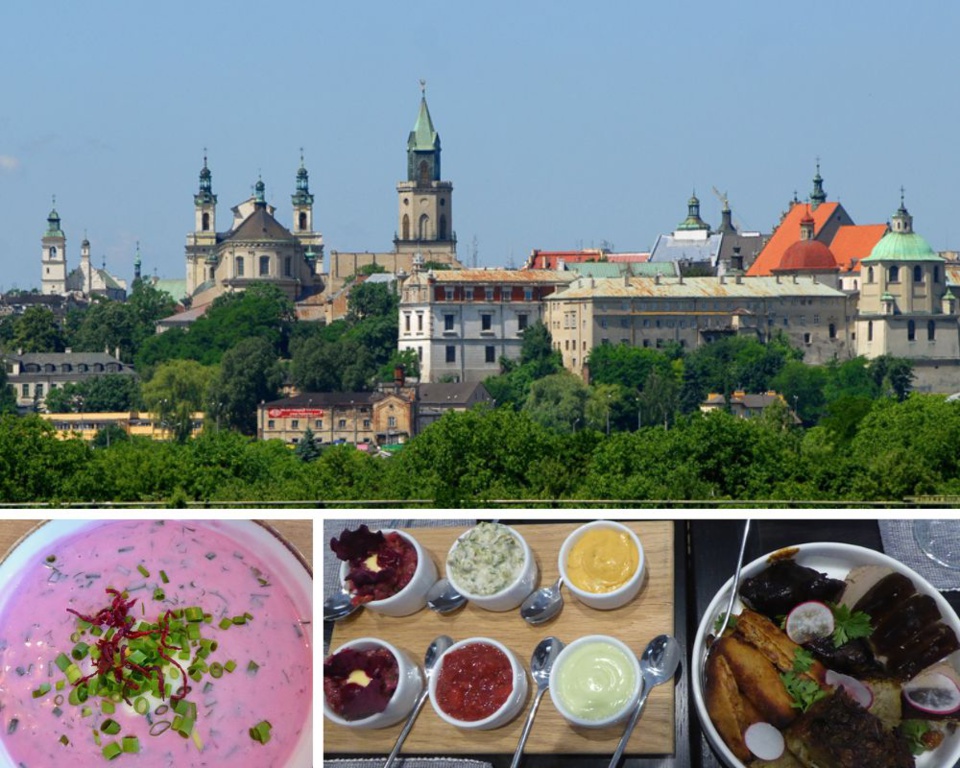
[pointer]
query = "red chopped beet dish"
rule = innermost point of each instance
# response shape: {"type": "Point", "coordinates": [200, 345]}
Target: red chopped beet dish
{"type": "Point", "coordinates": [475, 681]}
{"type": "Point", "coordinates": [355, 700]}
{"type": "Point", "coordinates": [396, 562]}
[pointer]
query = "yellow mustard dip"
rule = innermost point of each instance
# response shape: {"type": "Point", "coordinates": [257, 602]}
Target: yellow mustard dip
{"type": "Point", "coordinates": [602, 560]}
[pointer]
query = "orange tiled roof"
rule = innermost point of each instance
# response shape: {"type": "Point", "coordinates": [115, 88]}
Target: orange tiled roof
{"type": "Point", "coordinates": [787, 234]}
{"type": "Point", "coordinates": [854, 242]}
{"type": "Point", "coordinates": [550, 259]}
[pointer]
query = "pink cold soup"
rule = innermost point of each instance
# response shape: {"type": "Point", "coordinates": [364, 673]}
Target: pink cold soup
{"type": "Point", "coordinates": [217, 565]}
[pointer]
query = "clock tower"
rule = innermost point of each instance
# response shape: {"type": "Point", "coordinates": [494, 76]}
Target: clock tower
{"type": "Point", "coordinates": [54, 257]}
{"type": "Point", "coordinates": [425, 218]}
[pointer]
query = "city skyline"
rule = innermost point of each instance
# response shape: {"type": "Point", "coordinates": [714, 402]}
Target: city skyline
{"type": "Point", "coordinates": [561, 128]}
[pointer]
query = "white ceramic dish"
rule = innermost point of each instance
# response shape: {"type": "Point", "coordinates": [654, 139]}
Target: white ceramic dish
{"type": "Point", "coordinates": [510, 596]}
{"type": "Point", "coordinates": [563, 659]}
{"type": "Point", "coordinates": [835, 560]}
{"type": "Point", "coordinates": [413, 597]}
{"type": "Point", "coordinates": [508, 710]}
{"type": "Point", "coordinates": [409, 687]}
{"type": "Point", "coordinates": [287, 570]}
{"type": "Point", "coordinates": [604, 601]}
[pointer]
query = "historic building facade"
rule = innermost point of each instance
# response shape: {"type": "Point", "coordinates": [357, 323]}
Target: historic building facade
{"type": "Point", "coordinates": [256, 248]}
{"type": "Point", "coordinates": [85, 281]}
{"type": "Point", "coordinates": [33, 375]}
{"type": "Point", "coordinates": [461, 322]}
{"type": "Point", "coordinates": [906, 309]}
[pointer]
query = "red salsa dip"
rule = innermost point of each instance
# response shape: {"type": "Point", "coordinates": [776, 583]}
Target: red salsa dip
{"type": "Point", "coordinates": [379, 565]}
{"type": "Point", "coordinates": [360, 683]}
{"type": "Point", "coordinates": [475, 680]}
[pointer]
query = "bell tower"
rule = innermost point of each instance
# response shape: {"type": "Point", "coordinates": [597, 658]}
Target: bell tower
{"type": "Point", "coordinates": [425, 217]}
{"type": "Point", "coordinates": [54, 257]}
{"type": "Point", "coordinates": [202, 242]}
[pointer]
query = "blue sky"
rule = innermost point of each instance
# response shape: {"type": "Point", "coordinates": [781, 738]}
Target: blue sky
{"type": "Point", "coordinates": [562, 126]}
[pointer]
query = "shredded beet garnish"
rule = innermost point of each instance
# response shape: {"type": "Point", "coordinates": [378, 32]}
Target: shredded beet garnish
{"type": "Point", "coordinates": [114, 649]}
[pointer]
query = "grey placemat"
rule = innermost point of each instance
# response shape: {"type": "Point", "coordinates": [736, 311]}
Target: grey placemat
{"type": "Point", "coordinates": [899, 543]}
{"type": "Point", "coordinates": [410, 762]}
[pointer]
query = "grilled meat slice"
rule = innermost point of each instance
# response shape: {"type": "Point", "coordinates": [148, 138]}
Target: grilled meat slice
{"type": "Point", "coordinates": [773, 643]}
{"type": "Point", "coordinates": [853, 657]}
{"type": "Point", "coordinates": [882, 599]}
{"type": "Point", "coordinates": [758, 680]}
{"type": "Point", "coordinates": [785, 584]}
{"type": "Point", "coordinates": [836, 732]}
{"type": "Point", "coordinates": [730, 712]}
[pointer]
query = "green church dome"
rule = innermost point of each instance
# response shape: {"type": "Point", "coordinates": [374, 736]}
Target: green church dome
{"type": "Point", "coordinates": [901, 243]}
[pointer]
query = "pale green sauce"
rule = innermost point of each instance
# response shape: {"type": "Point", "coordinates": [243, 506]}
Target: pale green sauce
{"type": "Point", "coordinates": [596, 681]}
{"type": "Point", "coordinates": [486, 559]}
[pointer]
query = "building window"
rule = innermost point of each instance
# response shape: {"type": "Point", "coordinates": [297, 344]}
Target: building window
{"type": "Point", "coordinates": [936, 274]}
{"type": "Point", "coordinates": [490, 354]}
{"type": "Point", "coordinates": [506, 294]}
{"type": "Point", "coordinates": [447, 323]}
{"type": "Point", "coordinates": [806, 338]}
{"type": "Point", "coordinates": [448, 294]}
{"type": "Point", "coordinates": [205, 225]}
{"type": "Point", "coordinates": [918, 274]}
{"type": "Point", "coordinates": [294, 423]}
{"type": "Point", "coordinates": [816, 319]}
{"type": "Point", "coordinates": [26, 390]}
{"type": "Point", "coordinates": [451, 353]}
{"type": "Point", "coordinates": [264, 266]}
{"type": "Point", "coordinates": [366, 423]}
{"type": "Point", "coordinates": [832, 330]}
{"type": "Point", "coordinates": [392, 422]}
{"type": "Point", "coordinates": [488, 293]}
{"type": "Point", "coordinates": [406, 322]}
{"type": "Point", "coordinates": [528, 294]}
{"type": "Point", "coordinates": [270, 423]}
{"type": "Point", "coordinates": [318, 424]}
{"type": "Point", "coordinates": [287, 267]}
{"type": "Point", "coordinates": [869, 330]}
{"type": "Point", "coordinates": [603, 322]}
{"type": "Point", "coordinates": [419, 322]}
{"type": "Point", "coordinates": [931, 330]}
{"type": "Point", "coordinates": [893, 275]}
{"type": "Point", "coordinates": [911, 330]}
{"type": "Point", "coordinates": [486, 322]}
{"type": "Point", "coordinates": [419, 354]}
{"type": "Point", "coordinates": [522, 321]}
{"type": "Point", "coordinates": [342, 424]}
{"type": "Point", "coordinates": [238, 264]}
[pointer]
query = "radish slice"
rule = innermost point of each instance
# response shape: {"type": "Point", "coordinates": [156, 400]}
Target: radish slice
{"type": "Point", "coordinates": [809, 621]}
{"type": "Point", "coordinates": [858, 691]}
{"type": "Point", "coordinates": [933, 692]}
{"type": "Point", "coordinates": [765, 741]}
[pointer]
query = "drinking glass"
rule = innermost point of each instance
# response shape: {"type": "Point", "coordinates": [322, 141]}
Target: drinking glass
{"type": "Point", "coordinates": [939, 540]}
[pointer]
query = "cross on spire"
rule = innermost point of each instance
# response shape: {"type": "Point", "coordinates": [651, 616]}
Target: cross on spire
{"type": "Point", "coordinates": [423, 87]}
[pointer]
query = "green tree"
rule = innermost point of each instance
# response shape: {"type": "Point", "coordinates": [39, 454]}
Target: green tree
{"type": "Point", "coordinates": [626, 365]}
{"type": "Point", "coordinates": [249, 374]}
{"type": "Point", "coordinates": [557, 401]}
{"type": "Point", "coordinates": [892, 375]}
{"type": "Point", "coordinates": [107, 325]}
{"type": "Point", "coordinates": [659, 400]}
{"type": "Point", "coordinates": [802, 386]}
{"type": "Point", "coordinates": [371, 300]}
{"type": "Point", "coordinates": [38, 330]}
{"type": "Point", "coordinates": [8, 398]}
{"type": "Point", "coordinates": [307, 448]}
{"type": "Point", "coordinates": [100, 394]}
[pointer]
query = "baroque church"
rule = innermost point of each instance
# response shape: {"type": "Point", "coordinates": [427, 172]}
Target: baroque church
{"type": "Point", "coordinates": [256, 248]}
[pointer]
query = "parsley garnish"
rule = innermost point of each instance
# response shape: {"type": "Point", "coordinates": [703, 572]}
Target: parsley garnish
{"type": "Point", "coordinates": [914, 731]}
{"type": "Point", "coordinates": [804, 691]}
{"type": "Point", "coordinates": [849, 625]}
{"type": "Point", "coordinates": [802, 660]}
{"type": "Point", "coordinates": [719, 622]}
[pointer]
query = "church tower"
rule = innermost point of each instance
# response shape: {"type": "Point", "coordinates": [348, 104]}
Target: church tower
{"type": "Point", "coordinates": [818, 196]}
{"type": "Point", "coordinates": [425, 221]}
{"type": "Point", "coordinates": [311, 241]}
{"type": "Point", "coordinates": [201, 243]}
{"type": "Point", "coordinates": [54, 257]}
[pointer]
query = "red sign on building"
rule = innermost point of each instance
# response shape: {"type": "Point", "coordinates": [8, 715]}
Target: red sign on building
{"type": "Point", "coordinates": [286, 413]}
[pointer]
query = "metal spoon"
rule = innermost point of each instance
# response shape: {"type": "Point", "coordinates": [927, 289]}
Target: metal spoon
{"type": "Point", "coordinates": [444, 598]}
{"type": "Point", "coordinates": [541, 663]}
{"type": "Point", "coordinates": [658, 664]}
{"type": "Point", "coordinates": [434, 651]}
{"type": "Point", "coordinates": [338, 606]}
{"type": "Point", "coordinates": [543, 604]}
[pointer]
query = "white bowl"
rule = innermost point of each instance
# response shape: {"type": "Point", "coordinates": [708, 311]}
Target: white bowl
{"type": "Point", "coordinates": [510, 596]}
{"type": "Point", "coordinates": [508, 710]}
{"type": "Point", "coordinates": [835, 560]}
{"type": "Point", "coordinates": [409, 687]}
{"type": "Point", "coordinates": [413, 596]}
{"type": "Point", "coordinates": [603, 600]}
{"type": "Point", "coordinates": [565, 659]}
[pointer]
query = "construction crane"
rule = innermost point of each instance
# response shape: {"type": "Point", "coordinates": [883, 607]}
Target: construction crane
{"type": "Point", "coordinates": [725, 202]}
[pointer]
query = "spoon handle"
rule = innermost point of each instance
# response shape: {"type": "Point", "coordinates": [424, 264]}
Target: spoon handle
{"type": "Point", "coordinates": [391, 758]}
{"type": "Point", "coordinates": [631, 724]}
{"type": "Point", "coordinates": [527, 726]}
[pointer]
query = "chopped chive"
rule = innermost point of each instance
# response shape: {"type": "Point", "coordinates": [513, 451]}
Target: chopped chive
{"type": "Point", "coordinates": [41, 691]}
{"type": "Point", "coordinates": [64, 740]}
{"type": "Point", "coordinates": [131, 744]}
{"type": "Point", "coordinates": [161, 726]}
{"type": "Point", "coordinates": [230, 665]}
{"type": "Point", "coordinates": [60, 685]}
{"type": "Point", "coordinates": [51, 558]}
{"type": "Point", "coordinates": [80, 651]}
{"type": "Point", "coordinates": [239, 619]}
{"type": "Point", "coordinates": [143, 571]}
{"type": "Point", "coordinates": [193, 613]}
{"type": "Point", "coordinates": [226, 623]}
{"type": "Point", "coordinates": [261, 732]}
{"type": "Point", "coordinates": [141, 706]}
{"type": "Point", "coordinates": [58, 699]}
{"type": "Point", "coordinates": [110, 726]}
{"type": "Point", "coordinates": [252, 668]}
{"type": "Point", "coordinates": [163, 577]}
{"type": "Point", "coordinates": [107, 707]}
{"type": "Point", "coordinates": [12, 727]}
{"type": "Point", "coordinates": [216, 670]}
{"type": "Point", "coordinates": [112, 750]}
{"type": "Point", "coordinates": [159, 594]}
{"type": "Point", "coordinates": [62, 661]}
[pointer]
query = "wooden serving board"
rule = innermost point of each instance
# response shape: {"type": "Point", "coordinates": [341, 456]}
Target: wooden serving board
{"type": "Point", "coordinates": [651, 613]}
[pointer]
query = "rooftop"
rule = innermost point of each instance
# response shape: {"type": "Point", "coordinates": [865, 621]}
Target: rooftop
{"type": "Point", "coordinates": [696, 287]}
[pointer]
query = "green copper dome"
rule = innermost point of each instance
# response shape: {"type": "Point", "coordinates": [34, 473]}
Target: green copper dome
{"type": "Point", "coordinates": [902, 243]}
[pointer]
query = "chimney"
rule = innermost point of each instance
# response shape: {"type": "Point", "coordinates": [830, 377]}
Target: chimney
{"type": "Point", "coordinates": [739, 279]}
{"type": "Point", "coordinates": [794, 279]}
{"type": "Point", "coordinates": [723, 280]}
{"type": "Point", "coordinates": [398, 376]}
{"type": "Point", "coordinates": [736, 260]}
{"type": "Point", "coordinates": [656, 279]}
{"type": "Point", "coordinates": [778, 279]}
